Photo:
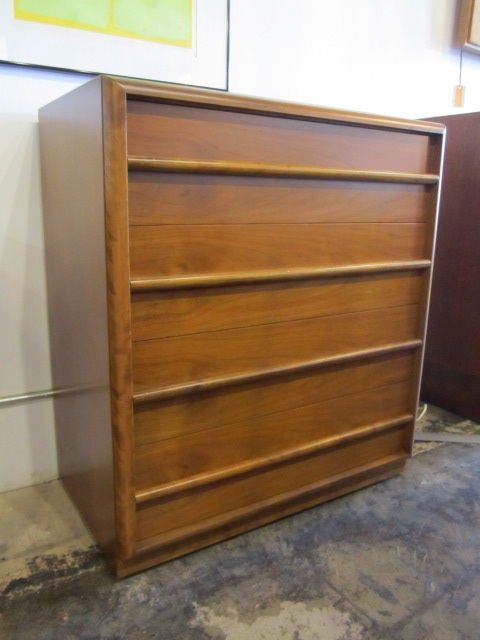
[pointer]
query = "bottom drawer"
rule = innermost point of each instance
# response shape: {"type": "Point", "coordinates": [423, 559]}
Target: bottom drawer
{"type": "Point", "coordinates": [190, 513]}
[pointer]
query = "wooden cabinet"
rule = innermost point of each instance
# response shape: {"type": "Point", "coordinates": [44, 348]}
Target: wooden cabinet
{"type": "Point", "coordinates": [451, 377]}
{"type": "Point", "coordinates": [237, 300]}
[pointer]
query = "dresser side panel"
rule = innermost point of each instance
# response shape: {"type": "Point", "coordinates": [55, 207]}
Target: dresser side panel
{"type": "Point", "coordinates": [74, 226]}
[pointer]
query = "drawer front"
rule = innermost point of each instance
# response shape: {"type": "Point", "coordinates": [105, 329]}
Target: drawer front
{"type": "Point", "coordinates": [173, 131]}
{"type": "Point", "coordinates": [276, 320]}
{"type": "Point", "coordinates": [173, 517]}
{"type": "Point", "coordinates": [162, 314]}
{"type": "Point", "coordinates": [249, 402]}
{"type": "Point", "coordinates": [257, 440]}
{"type": "Point", "coordinates": [159, 198]}
{"type": "Point", "coordinates": [174, 250]}
{"type": "Point", "coordinates": [192, 358]}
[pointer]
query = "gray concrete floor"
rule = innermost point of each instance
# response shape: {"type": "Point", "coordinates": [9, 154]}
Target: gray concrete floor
{"type": "Point", "coordinates": [397, 561]}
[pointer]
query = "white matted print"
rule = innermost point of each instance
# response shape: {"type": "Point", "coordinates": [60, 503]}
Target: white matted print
{"type": "Point", "coordinates": [182, 41]}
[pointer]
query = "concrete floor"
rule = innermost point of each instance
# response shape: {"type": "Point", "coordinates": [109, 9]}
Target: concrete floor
{"type": "Point", "coordinates": [397, 561]}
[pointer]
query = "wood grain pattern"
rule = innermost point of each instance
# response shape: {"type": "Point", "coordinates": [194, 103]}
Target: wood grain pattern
{"type": "Point", "coordinates": [285, 275]}
{"type": "Point", "coordinates": [171, 313]}
{"type": "Point", "coordinates": [180, 541]}
{"type": "Point", "coordinates": [119, 327]}
{"type": "Point", "coordinates": [227, 445]}
{"type": "Point", "coordinates": [189, 199]}
{"type": "Point", "coordinates": [173, 249]}
{"type": "Point", "coordinates": [264, 330]}
{"type": "Point", "coordinates": [205, 355]}
{"type": "Point", "coordinates": [264, 169]}
{"type": "Point", "coordinates": [206, 98]}
{"type": "Point", "coordinates": [73, 229]}
{"type": "Point", "coordinates": [261, 464]}
{"type": "Point", "coordinates": [260, 375]}
{"type": "Point", "coordinates": [180, 416]}
{"type": "Point", "coordinates": [179, 132]}
{"type": "Point", "coordinates": [171, 514]}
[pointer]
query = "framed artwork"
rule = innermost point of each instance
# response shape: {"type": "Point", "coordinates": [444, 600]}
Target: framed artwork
{"type": "Point", "coordinates": [182, 41]}
{"type": "Point", "coordinates": [470, 26]}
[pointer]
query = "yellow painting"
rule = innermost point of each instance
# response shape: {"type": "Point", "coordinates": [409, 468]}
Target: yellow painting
{"type": "Point", "coordinates": [167, 21]}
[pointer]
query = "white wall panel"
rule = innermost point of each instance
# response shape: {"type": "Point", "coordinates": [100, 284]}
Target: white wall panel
{"type": "Point", "coordinates": [393, 57]}
{"type": "Point", "coordinates": [27, 442]}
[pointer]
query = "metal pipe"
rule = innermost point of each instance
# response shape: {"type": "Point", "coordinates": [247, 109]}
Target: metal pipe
{"type": "Point", "coordinates": [41, 395]}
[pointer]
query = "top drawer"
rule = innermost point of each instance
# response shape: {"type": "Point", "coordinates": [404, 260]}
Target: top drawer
{"type": "Point", "coordinates": [160, 130]}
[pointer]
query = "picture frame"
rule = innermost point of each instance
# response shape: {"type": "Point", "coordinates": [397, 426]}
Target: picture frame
{"type": "Point", "coordinates": [52, 41]}
{"type": "Point", "coordinates": [469, 26]}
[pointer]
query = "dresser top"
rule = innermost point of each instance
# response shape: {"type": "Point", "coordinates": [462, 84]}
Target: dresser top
{"type": "Point", "coordinates": [209, 98]}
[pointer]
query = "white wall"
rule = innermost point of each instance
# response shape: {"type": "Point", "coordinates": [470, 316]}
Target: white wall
{"type": "Point", "coordinates": [27, 443]}
{"type": "Point", "coordinates": [384, 56]}
{"type": "Point", "coordinates": [392, 57]}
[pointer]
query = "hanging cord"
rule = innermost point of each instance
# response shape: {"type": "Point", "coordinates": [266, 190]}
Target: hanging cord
{"type": "Point", "coordinates": [460, 69]}
{"type": "Point", "coordinates": [423, 411]}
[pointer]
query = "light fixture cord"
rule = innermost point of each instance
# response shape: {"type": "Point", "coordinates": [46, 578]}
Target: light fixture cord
{"type": "Point", "coordinates": [460, 71]}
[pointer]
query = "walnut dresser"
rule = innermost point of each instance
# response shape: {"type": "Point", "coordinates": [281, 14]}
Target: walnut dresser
{"type": "Point", "coordinates": [237, 296]}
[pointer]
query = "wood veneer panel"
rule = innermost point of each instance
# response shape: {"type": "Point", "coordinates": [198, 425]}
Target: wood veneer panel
{"type": "Point", "coordinates": [168, 514]}
{"type": "Point", "coordinates": [177, 250]}
{"type": "Point", "coordinates": [451, 388]}
{"type": "Point", "coordinates": [216, 448]}
{"type": "Point", "coordinates": [180, 416]}
{"type": "Point", "coordinates": [168, 361]}
{"type": "Point", "coordinates": [171, 313]}
{"type": "Point", "coordinates": [167, 546]}
{"type": "Point", "coordinates": [178, 94]}
{"type": "Point", "coordinates": [452, 351]}
{"type": "Point", "coordinates": [171, 131]}
{"type": "Point", "coordinates": [118, 298]}
{"type": "Point", "coordinates": [189, 199]}
{"type": "Point", "coordinates": [77, 302]}
{"type": "Point", "coordinates": [259, 375]}
{"type": "Point", "coordinates": [270, 461]}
